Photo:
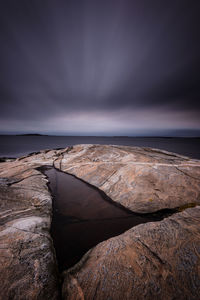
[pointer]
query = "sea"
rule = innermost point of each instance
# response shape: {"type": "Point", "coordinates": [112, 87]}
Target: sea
{"type": "Point", "coordinates": [13, 146]}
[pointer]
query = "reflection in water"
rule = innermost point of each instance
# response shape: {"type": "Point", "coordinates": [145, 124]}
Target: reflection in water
{"type": "Point", "coordinates": [83, 216]}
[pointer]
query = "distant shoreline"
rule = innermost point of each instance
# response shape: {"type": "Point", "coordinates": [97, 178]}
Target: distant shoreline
{"type": "Point", "coordinates": [20, 145]}
{"type": "Point", "coordinates": [105, 136]}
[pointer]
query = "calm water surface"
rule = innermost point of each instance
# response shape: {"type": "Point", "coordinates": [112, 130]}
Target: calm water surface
{"type": "Point", "coordinates": [83, 216]}
{"type": "Point", "coordinates": [16, 146]}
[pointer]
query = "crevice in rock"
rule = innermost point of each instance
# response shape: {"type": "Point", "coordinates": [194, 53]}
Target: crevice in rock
{"type": "Point", "coordinates": [155, 255]}
{"type": "Point", "coordinates": [187, 205]}
{"type": "Point", "coordinates": [28, 231]}
{"type": "Point", "coordinates": [185, 173]}
{"type": "Point", "coordinates": [109, 219]}
{"type": "Point", "coordinates": [58, 273]}
{"type": "Point", "coordinates": [104, 195]}
{"type": "Point", "coordinates": [107, 179]}
{"type": "Point", "coordinates": [20, 180]}
{"type": "Point", "coordinates": [72, 246]}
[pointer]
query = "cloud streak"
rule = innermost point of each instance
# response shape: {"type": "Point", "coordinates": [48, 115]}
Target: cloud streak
{"type": "Point", "coordinates": [96, 60]}
{"type": "Point", "coordinates": [123, 122]}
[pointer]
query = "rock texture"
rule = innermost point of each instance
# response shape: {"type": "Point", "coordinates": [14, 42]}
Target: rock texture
{"type": "Point", "coordinates": [27, 262]}
{"type": "Point", "coordinates": [151, 261]}
{"type": "Point", "coordinates": [142, 179]}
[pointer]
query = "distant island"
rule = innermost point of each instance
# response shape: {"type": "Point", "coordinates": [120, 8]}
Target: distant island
{"type": "Point", "coordinates": [32, 134]}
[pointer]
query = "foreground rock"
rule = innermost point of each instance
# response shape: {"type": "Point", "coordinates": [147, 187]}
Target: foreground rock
{"type": "Point", "coordinates": [27, 261]}
{"type": "Point", "coordinates": [150, 261]}
{"type": "Point", "coordinates": [146, 262]}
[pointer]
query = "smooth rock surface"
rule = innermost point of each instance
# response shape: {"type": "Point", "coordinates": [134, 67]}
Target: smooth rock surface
{"type": "Point", "coordinates": [148, 260]}
{"type": "Point", "coordinates": [142, 179]}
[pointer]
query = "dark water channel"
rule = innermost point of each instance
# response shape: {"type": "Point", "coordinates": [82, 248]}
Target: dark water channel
{"type": "Point", "coordinates": [83, 216]}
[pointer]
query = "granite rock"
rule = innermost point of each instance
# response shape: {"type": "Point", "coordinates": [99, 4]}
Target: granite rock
{"type": "Point", "coordinates": [156, 260]}
{"type": "Point", "coordinates": [143, 180]}
{"type": "Point", "coordinates": [28, 267]}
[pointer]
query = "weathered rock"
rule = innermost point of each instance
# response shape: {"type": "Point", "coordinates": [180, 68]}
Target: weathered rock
{"type": "Point", "coordinates": [147, 260]}
{"type": "Point", "coordinates": [158, 260]}
{"type": "Point", "coordinates": [27, 262]}
{"type": "Point", "coordinates": [141, 179]}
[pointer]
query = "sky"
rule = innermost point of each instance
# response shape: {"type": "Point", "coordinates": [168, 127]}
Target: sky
{"type": "Point", "coordinates": [100, 67]}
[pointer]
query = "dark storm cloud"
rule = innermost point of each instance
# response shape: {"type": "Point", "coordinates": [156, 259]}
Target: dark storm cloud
{"type": "Point", "coordinates": [89, 58]}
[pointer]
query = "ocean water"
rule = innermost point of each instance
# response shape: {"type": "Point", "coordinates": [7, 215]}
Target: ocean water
{"type": "Point", "coordinates": [16, 146]}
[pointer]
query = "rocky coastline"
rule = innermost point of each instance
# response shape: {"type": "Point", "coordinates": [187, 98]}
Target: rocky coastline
{"type": "Point", "coordinates": [156, 260]}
